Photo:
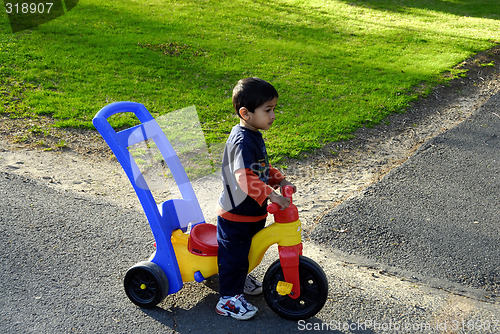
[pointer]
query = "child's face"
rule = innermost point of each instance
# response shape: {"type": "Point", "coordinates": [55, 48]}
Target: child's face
{"type": "Point", "coordinates": [262, 118]}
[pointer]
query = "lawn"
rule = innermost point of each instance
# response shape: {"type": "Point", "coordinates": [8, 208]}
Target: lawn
{"type": "Point", "coordinates": [336, 64]}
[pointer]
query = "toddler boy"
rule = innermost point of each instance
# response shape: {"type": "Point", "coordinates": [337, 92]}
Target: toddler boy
{"type": "Point", "coordinates": [248, 181]}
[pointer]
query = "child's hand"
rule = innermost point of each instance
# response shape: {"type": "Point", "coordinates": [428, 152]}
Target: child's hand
{"type": "Point", "coordinates": [285, 182]}
{"type": "Point", "coordinates": [283, 202]}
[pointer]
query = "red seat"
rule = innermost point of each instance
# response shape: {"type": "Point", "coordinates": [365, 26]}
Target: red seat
{"type": "Point", "coordinates": [203, 240]}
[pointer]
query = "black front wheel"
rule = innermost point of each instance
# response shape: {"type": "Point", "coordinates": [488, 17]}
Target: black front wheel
{"type": "Point", "coordinates": [313, 290]}
{"type": "Point", "coordinates": [146, 284]}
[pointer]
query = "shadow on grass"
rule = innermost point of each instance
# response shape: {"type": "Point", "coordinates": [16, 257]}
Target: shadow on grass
{"type": "Point", "coordinates": [476, 8]}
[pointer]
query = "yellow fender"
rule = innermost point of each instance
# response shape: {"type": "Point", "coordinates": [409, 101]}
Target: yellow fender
{"type": "Point", "coordinates": [283, 234]}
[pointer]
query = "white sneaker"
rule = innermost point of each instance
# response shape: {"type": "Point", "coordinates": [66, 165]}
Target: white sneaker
{"type": "Point", "coordinates": [236, 307]}
{"type": "Point", "coordinates": [252, 286]}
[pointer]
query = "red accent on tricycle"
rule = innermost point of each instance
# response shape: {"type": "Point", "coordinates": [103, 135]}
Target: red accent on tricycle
{"type": "Point", "coordinates": [288, 215]}
{"type": "Point", "coordinates": [203, 240]}
{"type": "Point", "coordinates": [289, 260]}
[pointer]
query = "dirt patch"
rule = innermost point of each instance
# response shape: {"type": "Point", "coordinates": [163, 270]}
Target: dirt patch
{"type": "Point", "coordinates": [79, 160]}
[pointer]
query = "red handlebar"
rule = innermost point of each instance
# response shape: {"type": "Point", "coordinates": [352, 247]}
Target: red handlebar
{"type": "Point", "coordinates": [288, 215]}
{"type": "Point", "coordinates": [273, 208]}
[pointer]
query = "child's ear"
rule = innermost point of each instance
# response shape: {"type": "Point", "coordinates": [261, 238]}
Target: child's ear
{"type": "Point", "coordinates": [243, 113]}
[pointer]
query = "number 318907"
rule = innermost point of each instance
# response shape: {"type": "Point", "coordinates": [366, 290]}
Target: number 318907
{"type": "Point", "coordinates": [28, 8]}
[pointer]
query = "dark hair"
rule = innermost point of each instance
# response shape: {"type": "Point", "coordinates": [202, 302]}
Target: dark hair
{"type": "Point", "coordinates": [252, 93]}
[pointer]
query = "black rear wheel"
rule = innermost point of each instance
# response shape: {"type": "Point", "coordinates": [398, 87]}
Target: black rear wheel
{"type": "Point", "coordinates": [146, 284]}
{"type": "Point", "coordinates": [313, 290]}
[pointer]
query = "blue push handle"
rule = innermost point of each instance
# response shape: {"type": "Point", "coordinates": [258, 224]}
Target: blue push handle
{"type": "Point", "coordinates": [169, 215]}
{"type": "Point", "coordinates": [138, 109]}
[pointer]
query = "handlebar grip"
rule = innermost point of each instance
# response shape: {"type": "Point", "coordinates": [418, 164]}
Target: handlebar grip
{"type": "Point", "coordinates": [288, 191]}
{"type": "Point", "coordinates": [273, 208]}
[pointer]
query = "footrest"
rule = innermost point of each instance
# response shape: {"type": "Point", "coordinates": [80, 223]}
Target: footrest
{"type": "Point", "coordinates": [284, 288]}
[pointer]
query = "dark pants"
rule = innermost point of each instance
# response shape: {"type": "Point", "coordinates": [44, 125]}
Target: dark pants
{"type": "Point", "coordinates": [234, 240]}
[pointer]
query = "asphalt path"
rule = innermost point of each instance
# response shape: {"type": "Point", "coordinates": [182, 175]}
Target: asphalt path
{"type": "Point", "coordinates": [64, 255]}
{"type": "Point", "coordinates": [435, 218]}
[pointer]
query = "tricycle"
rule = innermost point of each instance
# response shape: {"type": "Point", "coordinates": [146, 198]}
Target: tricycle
{"type": "Point", "coordinates": [294, 286]}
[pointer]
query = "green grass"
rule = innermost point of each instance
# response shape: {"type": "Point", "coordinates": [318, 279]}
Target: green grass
{"type": "Point", "coordinates": [337, 65]}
